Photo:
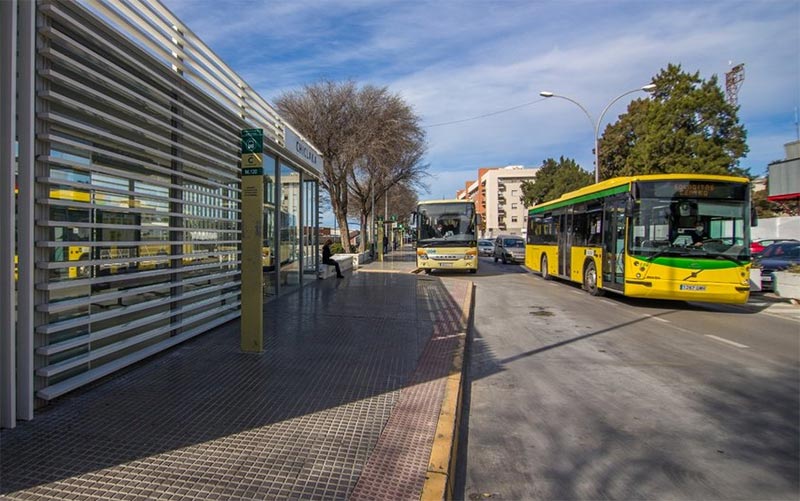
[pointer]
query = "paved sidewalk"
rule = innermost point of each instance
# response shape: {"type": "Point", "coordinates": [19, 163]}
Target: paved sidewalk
{"type": "Point", "coordinates": [343, 403]}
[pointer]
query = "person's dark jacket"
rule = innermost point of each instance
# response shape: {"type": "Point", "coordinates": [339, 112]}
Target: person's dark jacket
{"type": "Point", "coordinates": [326, 254]}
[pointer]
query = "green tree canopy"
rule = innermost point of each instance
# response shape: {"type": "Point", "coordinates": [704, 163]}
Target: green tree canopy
{"type": "Point", "coordinates": [554, 179]}
{"type": "Point", "coordinates": [686, 126]}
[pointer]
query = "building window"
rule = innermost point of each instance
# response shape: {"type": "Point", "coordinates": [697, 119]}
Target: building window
{"type": "Point", "coordinates": [513, 206]}
{"type": "Point", "coordinates": [513, 193]}
{"type": "Point", "coordinates": [513, 219]}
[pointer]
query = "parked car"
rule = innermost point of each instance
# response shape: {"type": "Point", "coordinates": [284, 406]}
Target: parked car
{"type": "Point", "coordinates": [509, 248]}
{"type": "Point", "coordinates": [485, 247]}
{"type": "Point", "coordinates": [776, 257]}
{"type": "Point", "coordinates": [758, 246]}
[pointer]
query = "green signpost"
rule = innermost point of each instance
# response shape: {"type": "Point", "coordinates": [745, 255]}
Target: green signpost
{"type": "Point", "coordinates": [252, 335]}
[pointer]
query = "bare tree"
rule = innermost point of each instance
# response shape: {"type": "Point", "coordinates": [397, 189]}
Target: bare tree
{"type": "Point", "coordinates": [370, 138]}
{"type": "Point", "coordinates": [378, 178]}
{"type": "Point", "coordinates": [326, 114]}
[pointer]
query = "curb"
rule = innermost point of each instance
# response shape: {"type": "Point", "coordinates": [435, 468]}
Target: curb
{"type": "Point", "coordinates": [440, 477]}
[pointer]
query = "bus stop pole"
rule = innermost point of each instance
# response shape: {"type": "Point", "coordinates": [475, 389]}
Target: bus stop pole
{"type": "Point", "coordinates": [252, 331]}
{"type": "Point", "coordinates": [379, 242]}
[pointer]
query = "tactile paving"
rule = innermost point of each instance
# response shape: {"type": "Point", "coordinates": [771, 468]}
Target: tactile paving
{"type": "Point", "coordinates": [345, 396]}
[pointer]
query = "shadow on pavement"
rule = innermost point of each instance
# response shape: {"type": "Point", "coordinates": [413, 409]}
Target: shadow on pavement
{"type": "Point", "coordinates": [336, 355]}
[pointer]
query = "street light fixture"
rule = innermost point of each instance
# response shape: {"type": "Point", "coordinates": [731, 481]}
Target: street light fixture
{"type": "Point", "coordinates": [596, 125]}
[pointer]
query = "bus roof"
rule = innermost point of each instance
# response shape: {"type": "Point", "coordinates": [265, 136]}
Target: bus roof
{"type": "Point", "coordinates": [622, 184]}
{"type": "Point", "coordinates": [451, 201]}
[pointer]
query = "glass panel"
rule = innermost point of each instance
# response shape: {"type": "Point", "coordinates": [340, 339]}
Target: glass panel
{"type": "Point", "coordinates": [269, 252]}
{"type": "Point", "coordinates": [446, 224]}
{"type": "Point", "coordinates": [310, 244]}
{"type": "Point", "coordinates": [289, 251]}
{"type": "Point", "coordinates": [689, 227]}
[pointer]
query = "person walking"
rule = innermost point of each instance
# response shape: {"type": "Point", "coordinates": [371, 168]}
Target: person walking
{"type": "Point", "coordinates": [326, 258]}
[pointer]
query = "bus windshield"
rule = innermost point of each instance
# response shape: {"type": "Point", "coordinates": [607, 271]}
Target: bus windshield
{"type": "Point", "coordinates": [446, 224]}
{"type": "Point", "coordinates": [689, 226]}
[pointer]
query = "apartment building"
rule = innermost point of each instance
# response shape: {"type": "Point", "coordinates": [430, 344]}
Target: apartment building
{"type": "Point", "coordinates": [498, 196]}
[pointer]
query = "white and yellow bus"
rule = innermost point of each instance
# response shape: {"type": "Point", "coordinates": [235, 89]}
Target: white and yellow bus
{"type": "Point", "coordinates": [446, 235]}
{"type": "Point", "coordinates": [670, 236]}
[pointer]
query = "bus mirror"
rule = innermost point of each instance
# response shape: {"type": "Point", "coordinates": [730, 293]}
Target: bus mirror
{"type": "Point", "coordinates": [629, 206]}
{"type": "Point", "coordinates": [753, 216]}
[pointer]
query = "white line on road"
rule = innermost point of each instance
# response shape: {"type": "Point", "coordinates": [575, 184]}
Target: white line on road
{"type": "Point", "coordinates": [659, 319]}
{"type": "Point", "coordinates": [727, 341]}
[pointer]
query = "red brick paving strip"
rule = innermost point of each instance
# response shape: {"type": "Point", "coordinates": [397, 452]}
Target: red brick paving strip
{"type": "Point", "coordinates": [397, 466]}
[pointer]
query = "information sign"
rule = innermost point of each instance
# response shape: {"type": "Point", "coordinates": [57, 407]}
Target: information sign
{"type": "Point", "coordinates": [252, 141]}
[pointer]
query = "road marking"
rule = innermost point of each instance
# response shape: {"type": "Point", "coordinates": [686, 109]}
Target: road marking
{"type": "Point", "coordinates": [659, 319]}
{"type": "Point", "coordinates": [577, 292]}
{"type": "Point", "coordinates": [727, 341]}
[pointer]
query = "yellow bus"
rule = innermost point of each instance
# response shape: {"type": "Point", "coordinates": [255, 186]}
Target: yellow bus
{"type": "Point", "coordinates": [125, 251]}
{"type": "Point", "coordinates": [670, 236]}
{"type": "Point", "coordinates": [446, 235]}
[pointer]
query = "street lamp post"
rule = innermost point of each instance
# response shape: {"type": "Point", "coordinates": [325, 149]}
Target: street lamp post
{"type": "Point", "coordinates": [596, 125]}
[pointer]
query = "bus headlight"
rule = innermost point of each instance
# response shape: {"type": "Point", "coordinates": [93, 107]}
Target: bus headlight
{"type": "Point", "coordinates": [422, 254]}
{"type": "Point", "coordinates": [471, 254]}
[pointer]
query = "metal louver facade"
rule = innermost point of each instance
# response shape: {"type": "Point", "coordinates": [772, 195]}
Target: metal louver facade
{"type": "Point", "coordinates": [127, 197]}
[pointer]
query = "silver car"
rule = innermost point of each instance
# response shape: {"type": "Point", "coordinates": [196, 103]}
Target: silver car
{"type": "Point", "coordinates": [509, 248]}
{"type": "Point", "coordinates": [485, 247]}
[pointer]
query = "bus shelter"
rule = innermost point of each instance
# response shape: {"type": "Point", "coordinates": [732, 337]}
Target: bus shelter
{"type": "Point", "coordinates": [120, 156]}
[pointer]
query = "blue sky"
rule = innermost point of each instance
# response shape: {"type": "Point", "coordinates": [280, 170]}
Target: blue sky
{"type": "Point", "coordinates": [457, 59]}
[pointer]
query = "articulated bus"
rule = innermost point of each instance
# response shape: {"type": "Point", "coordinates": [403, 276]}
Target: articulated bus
{"type": "Point", "coordinates": [446, 235]}
{"type": "Point", "coordinates": [670, 236]}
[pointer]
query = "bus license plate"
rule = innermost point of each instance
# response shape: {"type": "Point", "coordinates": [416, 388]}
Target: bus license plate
{"type": "Point", "coordinates": [446, 265]}
{"type": "Point", "coordinates": [685, 287]}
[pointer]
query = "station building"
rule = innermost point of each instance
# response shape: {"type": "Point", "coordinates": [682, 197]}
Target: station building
{"type": "Point", "coordinates": [120, 228]}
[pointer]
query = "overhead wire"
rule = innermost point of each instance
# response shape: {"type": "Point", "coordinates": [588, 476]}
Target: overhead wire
{"type": "Point", "coordinates": [484, 115]}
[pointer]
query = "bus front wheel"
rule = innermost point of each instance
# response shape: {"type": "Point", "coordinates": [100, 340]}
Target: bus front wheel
{"type": "Point", "coordinates": [545, 272]}
{"type": "Point", "coordinates": [590, 280]}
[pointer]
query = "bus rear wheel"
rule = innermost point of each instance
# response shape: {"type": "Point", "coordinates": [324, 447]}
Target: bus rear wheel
{"type": "Point", "coordinates": [590, 280]}
{"type": "Point", "coordinates": [545, 272]}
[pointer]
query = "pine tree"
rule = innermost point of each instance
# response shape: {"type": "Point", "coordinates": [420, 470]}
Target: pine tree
{"type": "Point", "coordinates": [686, 126]}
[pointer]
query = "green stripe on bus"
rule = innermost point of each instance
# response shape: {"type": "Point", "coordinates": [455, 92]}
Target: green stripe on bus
{"type": "Point", "coordinates": [591, 196]}
{"type": "Point", "coordinates": [693, 263]}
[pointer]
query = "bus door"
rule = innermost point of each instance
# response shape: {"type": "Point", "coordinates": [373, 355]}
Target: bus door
{"type": "Point", "coordinates": [614, 243]}
{"type": "Point", "coordinates": [564, 243]}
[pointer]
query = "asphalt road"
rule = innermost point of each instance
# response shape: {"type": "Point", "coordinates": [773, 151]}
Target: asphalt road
{"type": "Point", "coordinates": [570, 396]}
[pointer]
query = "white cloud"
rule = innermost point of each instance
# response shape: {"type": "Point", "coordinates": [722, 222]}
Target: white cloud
{"type": "Point", "coordinates": [460, 59]}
